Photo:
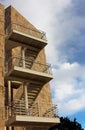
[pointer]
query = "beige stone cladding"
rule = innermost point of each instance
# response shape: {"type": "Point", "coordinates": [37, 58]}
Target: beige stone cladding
{"type": "Point", "coordinates": [17, 18]}
{"type": "Point", "coordinates": [14, 20]}
{"type": "Point", "coordinates": [2, 114]}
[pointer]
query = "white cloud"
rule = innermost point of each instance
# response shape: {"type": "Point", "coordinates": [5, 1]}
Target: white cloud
{"type": "Point", "coordinates": [69, 88]}
{"type": "Point", "coordinates": [73, 105]}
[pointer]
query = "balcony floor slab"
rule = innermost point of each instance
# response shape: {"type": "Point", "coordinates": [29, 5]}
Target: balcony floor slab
{"type": "Point", "coordinates": [25, 39]}
{"type": "Point", "coordinates": [32, 121]}
{"type": "Point", "coordinates": [32, 75]}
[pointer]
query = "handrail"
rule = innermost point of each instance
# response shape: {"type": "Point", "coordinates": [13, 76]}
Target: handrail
{"type": "Point", "coordinates": [18, 108]}
{"type": "Point", "coordinates": [28, 64]}
{"type": "Point", "coordinates": [41, 33]}
{"type": "Point", "coordinates": [51, 111]}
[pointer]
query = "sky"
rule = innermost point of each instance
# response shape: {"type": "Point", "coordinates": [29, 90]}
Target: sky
{"type": "Point", "coordinates": [64, 24]}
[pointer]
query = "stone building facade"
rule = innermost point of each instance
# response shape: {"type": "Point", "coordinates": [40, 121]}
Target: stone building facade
{"type": "Point", "coordinates": [25, 98]}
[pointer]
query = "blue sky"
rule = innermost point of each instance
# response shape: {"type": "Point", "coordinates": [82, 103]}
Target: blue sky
{"type": "Point", "coordinates": [64, 23]}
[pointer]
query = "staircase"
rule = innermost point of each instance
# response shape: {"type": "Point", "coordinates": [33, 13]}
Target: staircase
{"type": "Point", "coordinates": [30, 58]}
{"type": "Point", "coordinates": [32, 92]}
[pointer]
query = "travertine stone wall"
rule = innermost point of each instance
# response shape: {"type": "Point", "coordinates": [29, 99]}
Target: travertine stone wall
{"type": "Point", "coordinates": [44, 95]}
{"type": "Point", "coordinates": [2, 67]}
{"type": "Point", "coordinates": [16, 17]}
{"type": "Point", "coordinates": [17, 21]}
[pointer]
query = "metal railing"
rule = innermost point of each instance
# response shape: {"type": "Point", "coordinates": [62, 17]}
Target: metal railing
{"type": "Point", "coordinates": [27, 30]}
{"type": "Point", "coordinates": [28, 64]}
{"type": "Point", "coordinates": [36, 110]}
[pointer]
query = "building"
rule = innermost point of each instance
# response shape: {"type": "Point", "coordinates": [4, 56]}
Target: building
{"type": "Point", "coordinates": [25, 99]}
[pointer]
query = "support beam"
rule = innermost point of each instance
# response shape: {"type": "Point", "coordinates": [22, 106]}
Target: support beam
{"type": "Point", "coordinates": [9, 97]}
{"type": "Point", "coordinates": [25, 95]}
{"type": "Point", "coordinates": [9, 101]}
{"type": "Point", "coordinates": [9, 128]}
{"type": "Point", "coordinates": [23, 56]}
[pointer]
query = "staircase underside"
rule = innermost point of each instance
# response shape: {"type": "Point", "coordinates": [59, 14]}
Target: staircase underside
{"type": "Point", "coordinates": [32, 121]}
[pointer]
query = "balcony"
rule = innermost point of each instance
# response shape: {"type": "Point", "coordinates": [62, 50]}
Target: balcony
{"type": "Point", "coordinates": [19, 69]}
{"type": "Point", "coordinates": [19, 35]}
{"type": "Point", "coordinates": [35, 116]}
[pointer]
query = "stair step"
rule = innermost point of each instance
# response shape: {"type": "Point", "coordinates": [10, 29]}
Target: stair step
{"type": "Point", "coordinates": [31, 52]}
{"type": "Point", "coordinates": [18, 107]}
{"type": "Point", "coordinates": [31, 94]}
{"type": "Point", "coordinates": [33, 89]}
{"type": "Point", "coordinates": [32, 98]}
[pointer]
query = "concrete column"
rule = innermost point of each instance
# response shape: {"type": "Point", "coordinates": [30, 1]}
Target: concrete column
{"type": "Point", "coordinates": [23, 56]}
{"type": "Point", "coordinates": [9, 128]}
{"type": "Point", "coordinates": [9, 97]}
{"type": "Point", "coordinates": [2, 43]}
{"type": "Point", "coordinates": [9, 101]}
{"type": "Point", "coordinates": [26, 96]}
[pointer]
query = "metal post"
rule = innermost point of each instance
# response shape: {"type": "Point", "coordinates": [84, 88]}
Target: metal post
{"type": "Point", "coordinates": [23, 56]}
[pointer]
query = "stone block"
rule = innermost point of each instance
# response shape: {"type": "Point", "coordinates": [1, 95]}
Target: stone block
{"type": "Point", "coordinates": [1, 62]}
{"type": "Point", "coordinates": [1, 9]}
{"type": "Point", "coordinates": [1, 18]}
{"type": "Point", "coordinates": [1, 28]}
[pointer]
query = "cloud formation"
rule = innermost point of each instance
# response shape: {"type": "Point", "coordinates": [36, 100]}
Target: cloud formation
{"type": "Point", "coordinates": [68, 89]}
{"type": "Point", "coordinates": [64, 26]}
